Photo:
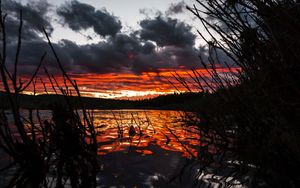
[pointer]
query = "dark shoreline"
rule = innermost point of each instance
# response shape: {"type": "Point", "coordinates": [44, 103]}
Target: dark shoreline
{"type": "Point", "coordinates": [183, 101]}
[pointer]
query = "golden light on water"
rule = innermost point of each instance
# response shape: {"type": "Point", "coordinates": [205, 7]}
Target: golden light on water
{"type": "Point", "coordinates": [164, 129]}
{"type": "Point", "coordinates": [154, 130]}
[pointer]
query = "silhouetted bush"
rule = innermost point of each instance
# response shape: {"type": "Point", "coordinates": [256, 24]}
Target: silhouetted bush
{"type": "Point", "coordinates": [253, 115]}
{"type": "Point", "coordinates": [45, 153]}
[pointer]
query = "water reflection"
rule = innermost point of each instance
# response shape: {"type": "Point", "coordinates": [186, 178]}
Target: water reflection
{"type": "Point", "coordinates": [141, 148]}
{"type": "Point", "coordinates": [135, 130]}
{"type": "Point", "coordinates": [123, 130]}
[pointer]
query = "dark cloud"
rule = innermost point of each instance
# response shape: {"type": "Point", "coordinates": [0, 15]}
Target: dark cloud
{"type": "Point", "coordinates": [167, 31]}
{"type": "Point", "coordinates": [126, 52]}
{"type": "Point", "coordinates": [34, 17]}
{"type": "Point", "coordinates": [80, 16]}
{"type": "Point", "coordinates": [12, 26]}
{"type": "Point", "coordinates": [122, 53]}
{"type": "Point", "coordinates": [30, 54]}
{"type": "Point", "coordinates": [176, 8]}
{"type": "Point", "coordinates": [150, 12]}
{"type": "Point", "coordinates": [117, 54]}
{"type": "Point", "coordinates": [148, 48]}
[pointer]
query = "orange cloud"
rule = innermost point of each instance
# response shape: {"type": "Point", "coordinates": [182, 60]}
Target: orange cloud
{"type": "Point", "coordinates": [128, 85]}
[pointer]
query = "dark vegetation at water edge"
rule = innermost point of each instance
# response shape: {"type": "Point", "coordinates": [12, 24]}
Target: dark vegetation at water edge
{"type": "Point", "coordinates": [252, 119]}
{"type": "Point", "coordinates": [45, 153]}
{"type": "Point", "coordinates": [175, 101]}
{"type": "Point", "coordinates": [179, 101]}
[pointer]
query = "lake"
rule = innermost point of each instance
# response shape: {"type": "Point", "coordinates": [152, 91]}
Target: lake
{"type": "Point", "coordinates": [153, 156]}
{"type": "Point", "coordinates": [143, 148]}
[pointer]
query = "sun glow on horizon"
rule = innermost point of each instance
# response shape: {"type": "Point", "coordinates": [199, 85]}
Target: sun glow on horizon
{"type": "Point", "coordinates": [128, 94]}
{"type": "Point", "coordinates": [129, 86]}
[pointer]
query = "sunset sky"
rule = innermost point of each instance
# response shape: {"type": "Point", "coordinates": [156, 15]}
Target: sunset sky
{"type": "Point", "coordinates": [113, 48]}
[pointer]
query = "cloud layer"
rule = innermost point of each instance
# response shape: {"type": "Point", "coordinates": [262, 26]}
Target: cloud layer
{"type": "Point", "coordinates": [80, 16]}
{"type": "Point", "coordinates": [166, 31]}
{"type": "Point", "coordinates": [176, 8]}
{"type": "Point", "coordinates": [34, 18]}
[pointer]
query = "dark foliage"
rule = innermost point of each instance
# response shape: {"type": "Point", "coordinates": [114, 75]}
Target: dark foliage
{"type": "Point", "coordinates": [45, 153]}
{"type": "Point", "coordinates": [253, 115]}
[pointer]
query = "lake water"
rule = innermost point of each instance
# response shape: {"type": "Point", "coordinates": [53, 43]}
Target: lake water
{"type": "Point", "coordinates": [154, 155]}
{"type": "Point", "coordinates": [142, 148]}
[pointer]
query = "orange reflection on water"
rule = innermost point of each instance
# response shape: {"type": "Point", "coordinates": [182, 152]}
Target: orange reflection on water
{"type": "Point", "coordinates": [165, 129]}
